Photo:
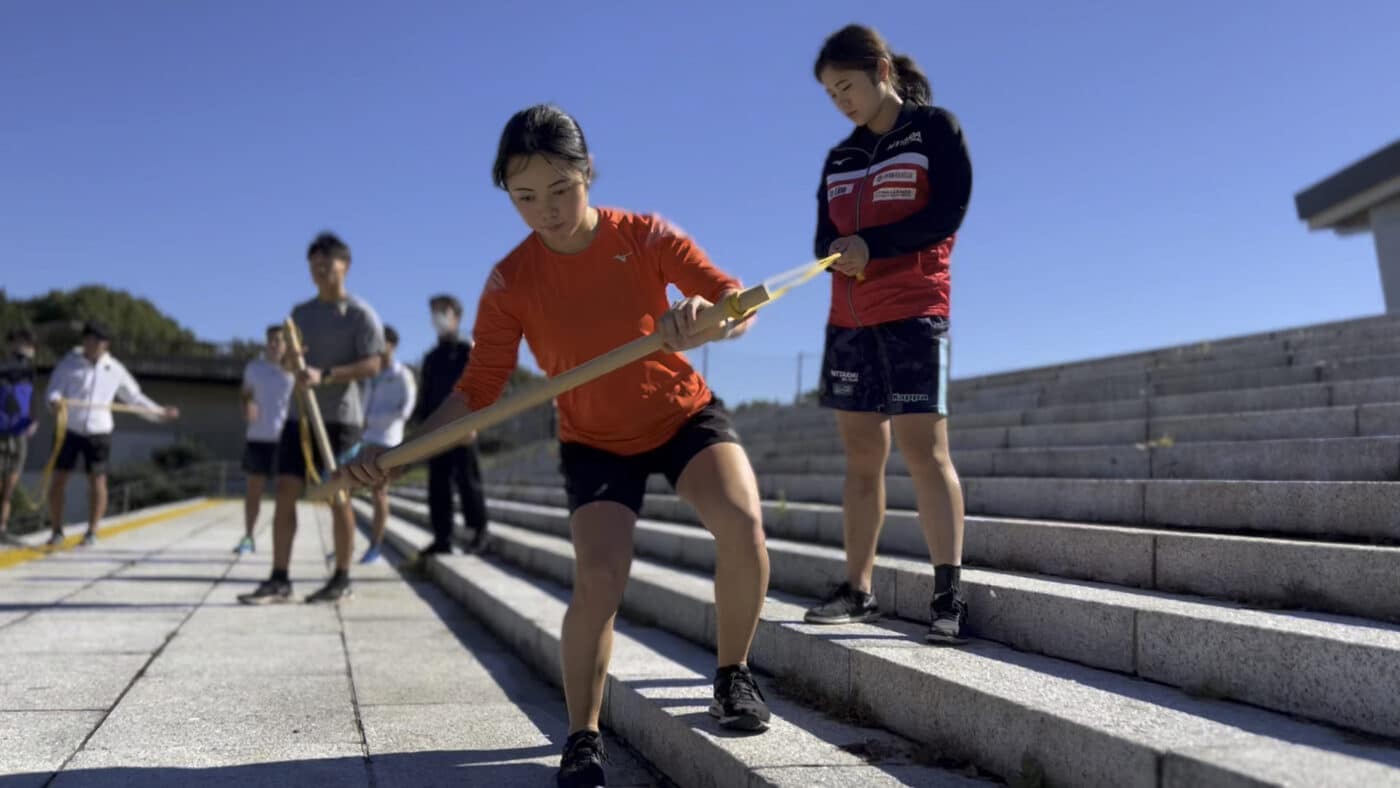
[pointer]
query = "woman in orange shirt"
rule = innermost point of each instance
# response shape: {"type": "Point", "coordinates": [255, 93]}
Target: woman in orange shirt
{"type": "Point", "coordinates": [584, 281]}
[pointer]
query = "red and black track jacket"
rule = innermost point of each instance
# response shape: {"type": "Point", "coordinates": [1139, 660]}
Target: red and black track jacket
{"type": "Point", "coordinates": [905, 194]}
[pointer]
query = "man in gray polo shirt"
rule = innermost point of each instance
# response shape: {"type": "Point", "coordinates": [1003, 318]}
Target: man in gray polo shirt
{"type": "Point", "coordinates": [342, 339]}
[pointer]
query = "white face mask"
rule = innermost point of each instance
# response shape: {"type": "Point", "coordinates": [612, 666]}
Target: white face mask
{"type": "Point", "coordinates": [442, 323]}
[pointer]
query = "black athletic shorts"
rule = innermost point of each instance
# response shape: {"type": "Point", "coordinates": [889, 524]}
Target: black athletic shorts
{"type": "Point", "coordinates": [891, 368]}
{"type": "Point", "coordinates": [592, 474]}
{"type": "Point", "coordinates": [260, 458]}
{"type": "Point", "coordinates": [291, 462]}
{"type": "Point", "coordinates": [94, 449]}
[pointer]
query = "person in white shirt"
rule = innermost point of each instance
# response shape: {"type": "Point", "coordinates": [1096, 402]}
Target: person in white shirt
{"type": "Point", "coordinates": [266, 395]}
{"type": "Point", "coordinates": [392, 396]}
{"type": "Point", "coordinates": [86, 382]}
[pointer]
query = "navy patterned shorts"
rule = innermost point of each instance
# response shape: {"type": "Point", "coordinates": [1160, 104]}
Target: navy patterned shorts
{"type": "Point", "coordinates": [890, 368]}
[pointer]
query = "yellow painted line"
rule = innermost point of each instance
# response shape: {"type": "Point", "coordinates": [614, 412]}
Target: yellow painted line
{"type": "Point", "coordinates": [11, 558]}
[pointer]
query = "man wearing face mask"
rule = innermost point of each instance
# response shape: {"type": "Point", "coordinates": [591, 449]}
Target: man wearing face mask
{"type": "Point", "coordinates": [18, 420]}
{"type": "Point", "coordinates": [441, 369]}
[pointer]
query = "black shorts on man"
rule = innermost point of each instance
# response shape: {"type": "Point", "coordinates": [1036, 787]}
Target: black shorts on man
{"type": "Point", "coordinates": [592, 474]}
{"type": "Point", "coordinates": [94, 450]}
{"type": "Point", "coordinates": [891, 368]}
{"type": "Point", "coordinates": [290, 458]}
{"type": "Point", "coordinates": [260, 458]}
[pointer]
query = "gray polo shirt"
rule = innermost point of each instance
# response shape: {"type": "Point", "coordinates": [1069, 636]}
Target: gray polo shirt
{"type": "Point", "coordinates": [336, 334]}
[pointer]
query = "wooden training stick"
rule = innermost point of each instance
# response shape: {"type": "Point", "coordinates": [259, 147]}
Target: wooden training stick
{"type": "Point", "coordinates": [736, 306]}
{"type": "Point", "coordinates": [115, 407]}
{"type": "Point", "coordinates": [312, 410]}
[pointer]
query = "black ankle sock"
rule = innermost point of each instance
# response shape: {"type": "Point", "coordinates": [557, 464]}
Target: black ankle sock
{"type": "Point", "coordinates": [586, 733]}
{"type": "Point", "coordinates": [945, 578]}
{"type": "Point", "coordinates": [341, 577]}
{"type": "Point", "coordinates": [280, 576]}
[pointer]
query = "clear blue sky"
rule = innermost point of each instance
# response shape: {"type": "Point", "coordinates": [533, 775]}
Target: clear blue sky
{"type": "Point", "coordinates": [1135, 164]}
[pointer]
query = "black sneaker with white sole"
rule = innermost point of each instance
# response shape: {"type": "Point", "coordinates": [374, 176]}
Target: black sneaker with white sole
{"type": "Point", "coordinates": [269, 592]}
{"type": "Point", "coordinates": [844, 605]}
{"type": "Point", "coordinates": [334, 590]}
{"type": "Point", "coordinates": [582, 764]}
{"type": "Point", "coordinates": [947, 615]}
{"type": "Point", "coordinates": [739, 704]}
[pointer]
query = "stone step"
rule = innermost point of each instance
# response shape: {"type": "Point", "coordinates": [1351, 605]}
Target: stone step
{"type": "Point", "coordinates": [658, 692]}
{"type": "Point", "coordinates": [1354, 511]}
{"type": "Point", "coordinates": [1333, 341]}
{"type": "Point", "coordinates": [1012, 713]}
{"type": "Point", "coordinates": [1323, 364]}
{"type": "Point", "coordinates": [754, 422]}
{"type": "Point", "coordinates": [1324, 669]}
{"type": "Point", "coordinates": [1309, 459]}
{"type": "Point", "coordinates": [1339, 422]}
{"type": "Point", "coordinates": [1279, 573]}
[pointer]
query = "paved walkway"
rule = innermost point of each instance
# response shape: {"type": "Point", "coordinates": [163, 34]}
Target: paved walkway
{"type": "Point", "coordinates": [131, 663]}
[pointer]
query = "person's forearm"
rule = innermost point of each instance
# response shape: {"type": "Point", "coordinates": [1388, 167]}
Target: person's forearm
{"type": "Point", "coordinates": [366, 367]}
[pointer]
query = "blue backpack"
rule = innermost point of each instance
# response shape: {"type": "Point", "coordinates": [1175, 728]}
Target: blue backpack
{"type": "Point", "coordinates": [16, 394]}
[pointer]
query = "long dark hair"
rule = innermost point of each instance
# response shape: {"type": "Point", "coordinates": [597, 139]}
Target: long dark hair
{"type": "Point", "coordinates": [543, 129]}
{"type": "Point", "coordinates": [857, 47]}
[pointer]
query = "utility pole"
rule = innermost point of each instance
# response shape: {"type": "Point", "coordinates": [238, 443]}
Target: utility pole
{"type": "Point", "coordinates": [797, 400]}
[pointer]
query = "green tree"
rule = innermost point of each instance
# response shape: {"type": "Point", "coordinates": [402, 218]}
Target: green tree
{"type": "Point", "coordinates": [138, 326]}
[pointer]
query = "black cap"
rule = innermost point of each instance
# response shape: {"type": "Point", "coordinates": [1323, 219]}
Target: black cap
{"type": "Point", "coordinates": [95, 328]}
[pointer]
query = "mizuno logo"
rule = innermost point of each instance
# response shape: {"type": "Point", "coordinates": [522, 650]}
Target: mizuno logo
{"type": "Point", "coordinates": [917, 136]}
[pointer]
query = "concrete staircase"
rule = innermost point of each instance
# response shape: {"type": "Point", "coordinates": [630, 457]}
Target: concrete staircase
{"type": "Point", "coordinates": [1182, 569]}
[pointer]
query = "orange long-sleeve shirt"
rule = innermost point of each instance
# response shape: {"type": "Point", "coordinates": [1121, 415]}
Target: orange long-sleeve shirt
{"type": "Point", "coordinates": [573, 308]}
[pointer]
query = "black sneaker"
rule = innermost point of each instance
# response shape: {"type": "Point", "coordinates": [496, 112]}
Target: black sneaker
{"type": "Point", "coordinates": [844, 605]}
{"type": "Point", "coordinates": [478, 543]}
{"type": "Point", "coordinates": [739, 703]}
{"type": "Point", "coordinates": [333, 591]}
{"type": "Point", "coordinates": [267, 593]}
{"type": "Point", "coordinates": [947, 614]}
{"type": "Point", "coordinates": [582, 764]}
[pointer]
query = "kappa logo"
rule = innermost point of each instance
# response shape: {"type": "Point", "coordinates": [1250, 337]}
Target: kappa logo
{"type": "Point", "coordinates": [839, 190]}
{"type": "Point", "coordinates": [917, 136]}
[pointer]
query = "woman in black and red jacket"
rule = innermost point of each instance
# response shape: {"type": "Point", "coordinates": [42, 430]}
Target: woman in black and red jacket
{"type": "Point", "coordinates": [892, 197]}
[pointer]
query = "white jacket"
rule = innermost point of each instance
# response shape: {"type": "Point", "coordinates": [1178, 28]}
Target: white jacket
{"type": "Point", "coordinates": [76, 378]}
{"type": "Point", "coordinates": [392, 395]}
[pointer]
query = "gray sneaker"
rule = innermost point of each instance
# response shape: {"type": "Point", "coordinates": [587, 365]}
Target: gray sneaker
{"type": "Point", "coordinates": [947, 614]}
{"type": "Point", "coordinates": [844, 605]}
